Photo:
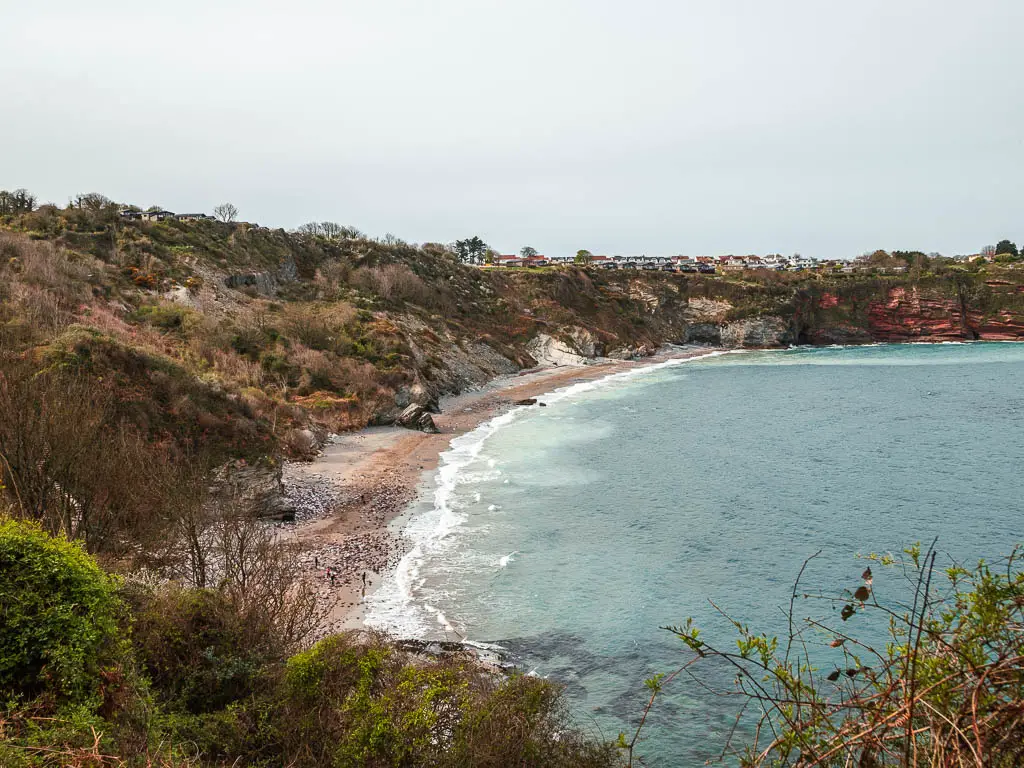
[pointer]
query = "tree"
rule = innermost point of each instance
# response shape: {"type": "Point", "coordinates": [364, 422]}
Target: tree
{"type": "Point", "coordinates": [18, 201]}
{"type": "Point", "coordinates": [471, 250]}
{"type": "Point", "coordinates": [583, 257]}
{"type": "Point", "coordinates": [1006, 246]}
{"type": "Point", "coordinates": [51, 472]}
{"type": "Point", "coordinates": [226, 212]}
{"type": "Point", "coordinates": [312, 229]}
{"type": "Point", "coordinates": [92, 201]}
{"type": "Point", "coordinates": [92, 210]}
{"type": "Point", "coordinates": [527, 252]}
{"type": "Point", "coordinates": [329, 230]}
{"type": "Point", "coordinates": [988, 250]}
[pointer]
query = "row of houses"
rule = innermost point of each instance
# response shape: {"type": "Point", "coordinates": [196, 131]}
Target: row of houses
{"type": "Point", "coordinates": [702, 264]}
{"type": "Point", "coordinates": [132, 215]}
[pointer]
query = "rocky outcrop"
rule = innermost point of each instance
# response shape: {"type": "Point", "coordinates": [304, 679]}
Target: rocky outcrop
{"type": "Point", "coordinates": [703, 310]}
{"type": "Point", "coordinates": [764, 331]}
{"type": "Point", "coordinates": [418, 417]}
{"type": "Point", "coordinates": [704, 333]}
{"type": "Point", "coordinates": [631, 352]}
{"type": "Point", "coordinates": [836, 334]}
{"type": "Point", "coordinates": [1002, 326]}
{"type": "Point", "coordinates": [551, 352]}
{"type": "Point", "coordinates": [417, 393]}
{"type": "Point", "coordinates": [585, 342]}
{"type": "Point", "coordinates": [305, 443]}
{"type": "Point", "coordinates": [263, 283]}
{"type": "Point", "coordinates": [254, 488]}
{"type": "Point", "coordinates": [466, 366]}
{"type": "Point", "coordinates": [910, 314]}
{"type": "Point", "coordinates": [644, 293]}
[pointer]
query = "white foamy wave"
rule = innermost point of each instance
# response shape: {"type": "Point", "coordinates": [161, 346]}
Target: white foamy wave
{"type": "Point", "coordinates": [473, 478]}
{"type": "Point", "coordinates": [394, 606]}
{"type": "Point", "coordinates": [506, 559]}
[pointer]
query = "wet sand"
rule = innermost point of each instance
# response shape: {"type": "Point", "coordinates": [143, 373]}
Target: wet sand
{"type": "Point", "coordinates": [374, 475]}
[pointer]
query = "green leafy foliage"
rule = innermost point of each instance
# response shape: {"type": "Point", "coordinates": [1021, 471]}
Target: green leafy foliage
{"type": "Point", "coordinates": [59, 614]}
{"type": "Point", "coordinates": [352, 703]}
{"type": "Point", "coordinates": [1007, 247]}
{"type": "Point", "coordinates": [947, 688]}
{"type": "Point", "coordinates": [200, 653]}
{"type": "Point", "coordinates": [220, 689]}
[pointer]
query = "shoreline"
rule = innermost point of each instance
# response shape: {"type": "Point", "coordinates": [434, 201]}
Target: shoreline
{"type": "Point", "coordinates": [374, 477]}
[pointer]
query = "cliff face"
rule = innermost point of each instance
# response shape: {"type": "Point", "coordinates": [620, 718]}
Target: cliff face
{"type": "Point", "coordinates": [906, 315]}
{"type": "Point", "coordinates": [910, 313]}
{"type": "Point", "coordinates": [278, 331]}
{"type": "Point", "coordinates": [838, 310]}
{"type": "Point", "coordinates": [955, 308]}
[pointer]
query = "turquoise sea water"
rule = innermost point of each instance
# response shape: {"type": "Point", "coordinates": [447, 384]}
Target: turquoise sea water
{"type": "Point", "coordinates": [569, 534]}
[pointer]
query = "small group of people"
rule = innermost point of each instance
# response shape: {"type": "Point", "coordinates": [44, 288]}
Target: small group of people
{"type": "Point", "coordinates": [332, 574]}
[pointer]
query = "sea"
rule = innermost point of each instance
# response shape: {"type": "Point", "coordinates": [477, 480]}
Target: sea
{"type": "Point", "coordinates": [570, 536]}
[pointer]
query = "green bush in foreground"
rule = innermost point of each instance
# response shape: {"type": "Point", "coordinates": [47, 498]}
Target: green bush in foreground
{"type": "Point", "coordinates": [171, 677]}
{"type": "Point", "coordinates": [352, 701]}
{"type": "Point", "coordinates": [58, 616]}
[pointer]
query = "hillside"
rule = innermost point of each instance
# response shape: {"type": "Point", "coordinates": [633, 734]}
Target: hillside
{"type": "Point", "coordinates": [198, 345]}
{"type": "Point", "coordinates": [138, 359]}
{"type": "Point", "coordinates": [230, 335]}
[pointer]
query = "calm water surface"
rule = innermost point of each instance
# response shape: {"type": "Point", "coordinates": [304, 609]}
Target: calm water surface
{"type": "Point", "coordinates": [570, 534]}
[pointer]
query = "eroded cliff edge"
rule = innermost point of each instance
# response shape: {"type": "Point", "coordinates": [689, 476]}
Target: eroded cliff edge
{"type": "Point", "coordinates": [248, 341]}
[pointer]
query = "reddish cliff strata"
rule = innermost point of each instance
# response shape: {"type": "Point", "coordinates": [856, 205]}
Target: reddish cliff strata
{"type": "Point", "coordinates": [908, 314]}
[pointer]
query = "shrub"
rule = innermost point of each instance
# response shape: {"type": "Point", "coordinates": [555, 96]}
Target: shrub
{"type": "Point", "coordinates": [168, 317]}
{"type": "Point", "coordinates": [316, 326]}
{"type": "Point", "coordinates": [946, 689]}
{"type": "Point", "coordinates": [59, 614]}
{"type": "Point", "coordinates": [393, 282]}
{"type": "Point", "coordinates": [197, 649]}
{"type": "Point", "coordinates": [356, 700]}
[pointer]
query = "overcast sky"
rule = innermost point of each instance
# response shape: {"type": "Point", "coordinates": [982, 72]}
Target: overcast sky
{"type": "Point", "coordinates": [671, 126]}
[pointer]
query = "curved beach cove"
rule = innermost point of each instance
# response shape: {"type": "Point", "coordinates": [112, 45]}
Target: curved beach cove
{"type": "Point", "coordinates": [569, 534]}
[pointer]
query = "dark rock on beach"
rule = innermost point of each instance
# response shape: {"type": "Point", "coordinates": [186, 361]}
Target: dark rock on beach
{"type": "Point", "coordinates": [417, 416]}
{"type": "Point", "coordinates": [254, 487]}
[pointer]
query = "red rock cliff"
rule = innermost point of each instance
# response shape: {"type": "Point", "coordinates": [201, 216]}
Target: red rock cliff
{"type": "Point", "coordinates": [908, 314]}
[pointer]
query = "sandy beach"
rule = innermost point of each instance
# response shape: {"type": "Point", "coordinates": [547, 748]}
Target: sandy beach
{"type": "Point", "coordinates": [365, 479]}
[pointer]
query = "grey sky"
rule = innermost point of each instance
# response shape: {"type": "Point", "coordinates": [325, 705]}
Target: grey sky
{"type": "Point", "coordinates": [720, 126]}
